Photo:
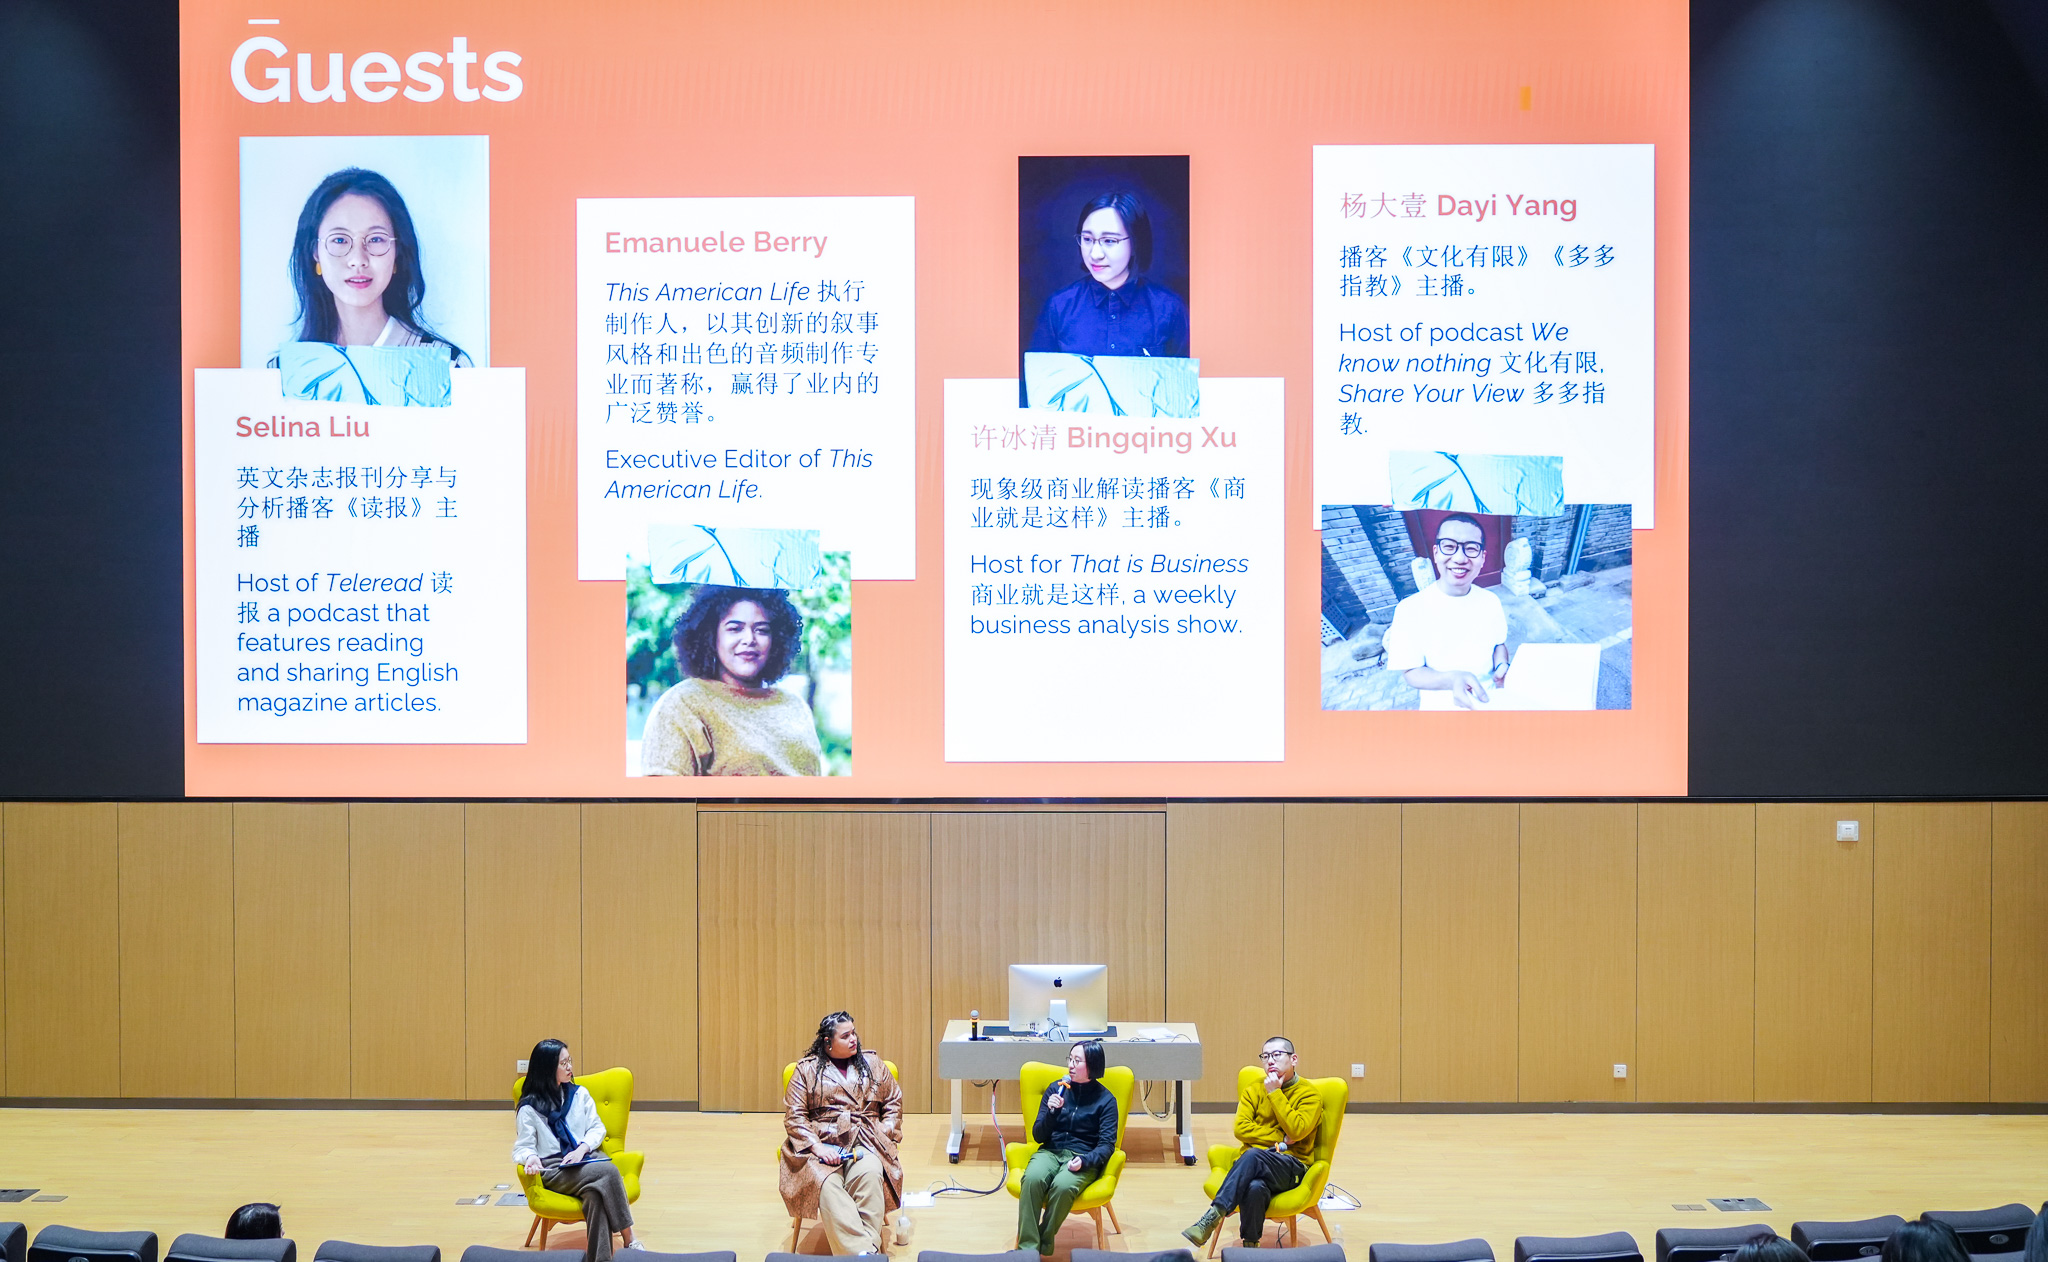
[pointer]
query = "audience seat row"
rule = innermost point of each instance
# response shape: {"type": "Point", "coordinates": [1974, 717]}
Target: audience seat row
{"type": "Point", "coordinates": [64, 1244]}
{"type": "Point", "coordinates": [1991, 1235]}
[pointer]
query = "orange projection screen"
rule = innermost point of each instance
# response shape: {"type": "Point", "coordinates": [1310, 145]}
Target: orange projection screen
{"type": "Point", "coordinates": [936, 400]}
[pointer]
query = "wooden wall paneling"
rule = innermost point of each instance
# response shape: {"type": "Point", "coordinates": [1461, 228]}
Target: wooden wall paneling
{"type": "Point", "coordinates": [964, 806]}
{"type": "Point", "coordinates": [522, 937]}
{"type": "Point", "coordinates": [1812, 953]}
{"type": "Point", "coordinates": [291, 950]}
{"type": "Point", "coordinates": [408, 1028]}
{"type": "Point", "coordinates": [1225, 901]}
{"type": "Point", "coordinates": [2019, 952]}
{"type": "Point", "coordinates": [1017, 887]}
{"type": "Point", "coordinates": [1578, 950]}
{"type": "Point", "coordinates": [1695, 952]}
{"type": "Point", "coordinates": [1772, 936]}
{"type": "Point", "coordinates": [1341, 987]}
{"type": "Point", "coordinates": [1931, 952]}
{"type": "Point", "coordinates": [801, 914]}
{"type": "Point", "coordinates": [63, 958]}
{"type": "Point", "coordinates": [177, 888]}
{"type": "Point", "coordinates": [640, 944]}
{"type": "Point", "coordinates": [1459, 991]}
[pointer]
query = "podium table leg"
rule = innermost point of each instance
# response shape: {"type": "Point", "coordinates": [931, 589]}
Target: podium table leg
{"type": "Point", "coordinates": [1183, 1123]}
{"type": "Point", "coordinates": [959, 1128]}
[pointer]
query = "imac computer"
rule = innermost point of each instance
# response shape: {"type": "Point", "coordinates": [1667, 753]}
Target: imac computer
{"type": "Point", "coordinates": [1074, 997]}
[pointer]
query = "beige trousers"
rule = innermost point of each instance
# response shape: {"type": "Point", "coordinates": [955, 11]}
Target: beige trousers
{"type": "Point", "coordinates": [851, 1205]}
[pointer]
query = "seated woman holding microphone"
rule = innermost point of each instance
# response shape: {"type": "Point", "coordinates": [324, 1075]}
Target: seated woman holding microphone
{"type": "Point", "coordinates": [559, 1137]}
{"type": "Point", "coordinates": [1076, 1131]}
{"type": "Point", "coordinates": [844, 1115]}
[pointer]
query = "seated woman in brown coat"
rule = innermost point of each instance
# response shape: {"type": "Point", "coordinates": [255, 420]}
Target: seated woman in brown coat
{"type": "Point", "coordinates": [844, 1114]}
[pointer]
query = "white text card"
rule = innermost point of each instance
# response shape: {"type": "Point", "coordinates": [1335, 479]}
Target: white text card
{"type": "Point", "coordinates": [361, 570]}
{"type": "Point", "coordinates": [1113, 584]}
{"type": "Point", "coordinates": [1485, 299]}
{"type": "Point", "coordinates": [747, 361]}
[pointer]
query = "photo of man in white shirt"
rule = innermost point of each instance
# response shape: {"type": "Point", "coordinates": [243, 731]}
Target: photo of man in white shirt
{"type": "Point", "coordinates": [1450, 638]}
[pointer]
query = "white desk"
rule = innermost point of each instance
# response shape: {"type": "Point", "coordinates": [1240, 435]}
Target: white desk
{"type": "Point", "coordinates": [1178, 1062]}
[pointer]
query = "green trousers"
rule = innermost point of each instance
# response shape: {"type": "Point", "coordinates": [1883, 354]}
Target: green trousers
{"type": "Point", "coordinates": [1048, 1191]}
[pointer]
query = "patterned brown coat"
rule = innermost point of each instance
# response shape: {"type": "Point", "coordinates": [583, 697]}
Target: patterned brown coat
{"type": "Point", "coordinates": [868, 1113]}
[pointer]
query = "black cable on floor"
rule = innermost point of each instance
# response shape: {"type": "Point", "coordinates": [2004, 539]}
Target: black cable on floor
{"type": "Point", "coordinates": [954, 1186]}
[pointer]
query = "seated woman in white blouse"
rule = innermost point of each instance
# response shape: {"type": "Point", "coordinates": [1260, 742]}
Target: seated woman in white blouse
{"type": "Point", "coordinates": [559, 1139]}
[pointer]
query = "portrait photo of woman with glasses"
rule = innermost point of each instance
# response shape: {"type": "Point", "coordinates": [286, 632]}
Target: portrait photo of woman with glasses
{"type": "Point", "coordinates": [366, 265]}
{"type": "Point", "coordinates": [1115, 308]}
{"type": "Point", "coordinates": [1102, 255]}
{"type": "Point", "coordinates": [356, 267]}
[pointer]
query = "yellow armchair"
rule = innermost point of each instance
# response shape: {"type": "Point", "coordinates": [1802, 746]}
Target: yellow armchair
{"type": "Point", "coordinates": [1304, 1197]}
{"type": "Point", "coordinates": [611, 1090]}
{"type": "Point", "coordinates": [1032, 1082]}
{"type": "Point", "coordinates": [796, 1223]}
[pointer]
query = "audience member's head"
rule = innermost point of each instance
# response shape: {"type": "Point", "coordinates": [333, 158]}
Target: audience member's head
{"type": "Point", "coordinates": [1925, 1240]}
{"type": "Point", "coordinates": [2037, 1237]}
{"type": "Point", "coordinates": [1769, 1247]}
{"type": "Point", "coordinates": [257, 1221]}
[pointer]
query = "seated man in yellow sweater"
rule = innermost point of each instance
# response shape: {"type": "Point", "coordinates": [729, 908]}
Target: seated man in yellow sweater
{"type": "Point", "coordinates": [1277, 1121]}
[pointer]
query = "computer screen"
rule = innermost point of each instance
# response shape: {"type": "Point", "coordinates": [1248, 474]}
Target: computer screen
{"type": "Point", "coordinates": [1040, 992]}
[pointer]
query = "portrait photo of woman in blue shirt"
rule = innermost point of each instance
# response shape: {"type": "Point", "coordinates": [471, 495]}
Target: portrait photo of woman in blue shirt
{"type": "Point", "coordinates": [1114, 308]}
{"type": "Point", "coordinates": [1102, 255]}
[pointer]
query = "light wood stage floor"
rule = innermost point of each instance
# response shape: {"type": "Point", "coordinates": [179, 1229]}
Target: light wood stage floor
{"type": "Point", "coordinates": [393, 1177]}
